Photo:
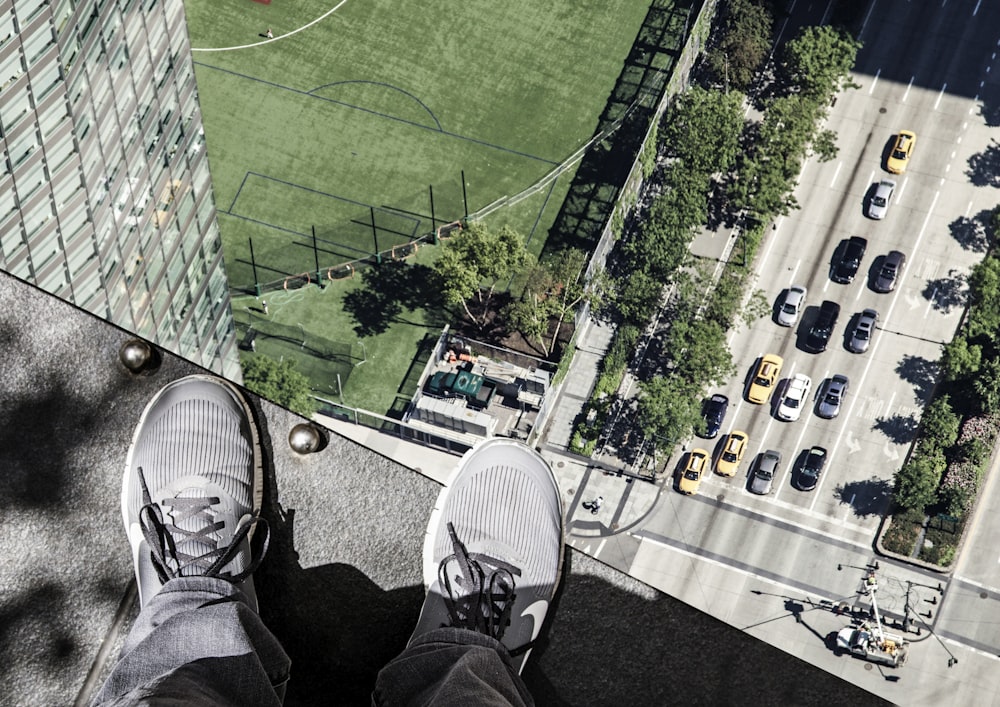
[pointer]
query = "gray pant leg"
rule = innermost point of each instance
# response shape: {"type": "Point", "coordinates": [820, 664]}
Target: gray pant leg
{"type": "Point", "coordinates": [197, 642]}
{"type": "Point", "coordinates": [451, 666]}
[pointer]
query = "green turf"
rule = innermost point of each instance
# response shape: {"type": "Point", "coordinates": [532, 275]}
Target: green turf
{"type": "Point", "coordinates": [374, 106]}
{"type": "Point", "coordinates": [371, 335]}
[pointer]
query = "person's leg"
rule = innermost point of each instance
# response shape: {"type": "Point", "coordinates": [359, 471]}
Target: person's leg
{"type": "Point", "coordinates": [190, 500]}
{"type": "Point", "coordinates": [492, 563]}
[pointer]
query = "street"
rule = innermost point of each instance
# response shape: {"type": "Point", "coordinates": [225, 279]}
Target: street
{"type": "Point", "coordinates": [779, 565]}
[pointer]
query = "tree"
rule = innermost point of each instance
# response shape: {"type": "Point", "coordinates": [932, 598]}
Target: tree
{"type": "Point", "coordinates": [984, 294]}
{"type": "Point", "coordinates": [474, 258]}
{"type": "Point", "coordinates": [667, 410]}
{"type": "Point", "coordinates": [700, 351]}
{"type": "Point", "coordinates": [638, 297]}
{"type": "Point", "coordinates": [825, 145]}
{"type": "Point", "coordinates": [939, 424]}
{"type": "Point", "coordinates": [745, 30]}
{"type": "Point", "coordinates": [960, 359]}
{"type": "Point", "coordinates": [703, 129]}
{"type": "Point", "coordinates": [756, 307]}
{"type": "Point", "coordinates": [279, 382]}
{"type": "Point", "coordinates": [819, 60]}
{"type": "Point", "coordinates": [554, 288]}
{"type": "Point", "coordinates": [987, 386]}
{"type": "Point", "coordinates": [917, 481]}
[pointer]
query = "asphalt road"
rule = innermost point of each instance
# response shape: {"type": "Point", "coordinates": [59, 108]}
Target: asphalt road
{"type": "Point", "coordinates": [756, 561]}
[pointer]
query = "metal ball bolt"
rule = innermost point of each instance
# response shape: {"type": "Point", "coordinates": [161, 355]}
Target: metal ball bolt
{"type": "Point", "coordinates": [304, 438]}
{"type": "Point", "coordinates": [137, 355]}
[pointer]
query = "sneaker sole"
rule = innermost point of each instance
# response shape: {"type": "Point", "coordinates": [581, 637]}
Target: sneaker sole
{"type": "Point", "coordinates": [258, 467]}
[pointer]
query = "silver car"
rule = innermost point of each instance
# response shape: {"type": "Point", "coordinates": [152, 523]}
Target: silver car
{"type": "Point", "coordinates": [833, 396]}
{"type": "Point", "coordinates": [767, 469]}
{"type": "Point", "coordinates": [795, 299]}
{"type": "Point", "coordinates": [862, 335]}
{"type": "Point", "coordinates": [880, 200]}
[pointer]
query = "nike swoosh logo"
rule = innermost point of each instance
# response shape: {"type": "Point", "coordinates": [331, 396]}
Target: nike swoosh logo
{"type": "Point", "coordinates": [537, 612]}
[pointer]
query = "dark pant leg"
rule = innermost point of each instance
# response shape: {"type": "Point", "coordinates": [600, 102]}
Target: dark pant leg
{"type": "Point", "coordinates": [451, 666]}
{"type": "Point", "coordinates": [197, 642]}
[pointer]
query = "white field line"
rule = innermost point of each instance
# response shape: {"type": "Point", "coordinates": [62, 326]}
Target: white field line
{"type": "Point", "coordinates": [275, 39]}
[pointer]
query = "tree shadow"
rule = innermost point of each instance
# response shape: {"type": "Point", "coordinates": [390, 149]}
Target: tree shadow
{"type": "Point", "coordinates": [900, 429]}
{"type": "Point", "coordinates": [866, 498]}
{"type": "Point", "coordinates": [919, 372]}
{"type": "Point", "coordinates": [984, 167]}
{"type": "Point", "coordinates": [389, 290]}
{"type": "Point", "coordinates": [947, 293]}
{"type": "Point", "coordinates": [972, 233]}
{"type": "Point", "coordinates": [604, 168]}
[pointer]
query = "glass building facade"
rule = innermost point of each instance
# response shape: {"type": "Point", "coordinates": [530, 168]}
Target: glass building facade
{"type": "Point", "coordinates": [105, 193]}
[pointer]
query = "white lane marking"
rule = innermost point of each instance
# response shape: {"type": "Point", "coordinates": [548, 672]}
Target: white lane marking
{"type": "Point", "coordinates": [968, 210]}
{"type": "Point", "coordinates": [836, 172]}
{"type": "Point", "coordinates": [868, 17]}
{"type": "Point", "coordinates": [976, 9]}
{"type": "Point", "coordinates": [795, 270]}
{"type": "Point", "coordinates": [600, 547]}
{"type": "Point", "coordinates": [908, 87]}
{"type": "Point", "coordinates": [718, 563]}
{"type": "Point", "coordinates": [940, 96]}
{"type": "Point", "coordinates": [874, 81]}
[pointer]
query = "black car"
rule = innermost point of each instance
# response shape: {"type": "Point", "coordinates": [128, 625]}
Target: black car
{"type": "Point", "coordinates": [714, 412]}
{"type": "Point", "coordinates": [821, 330]}
{"type": "Point", "coordinates": [850, 260]}
{"type": "Point", "coordinates": [811, 469]}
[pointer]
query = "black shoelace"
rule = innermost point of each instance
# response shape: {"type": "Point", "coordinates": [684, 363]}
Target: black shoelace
{"type": "Point", "coordinates": [482, 595]}
{"type": "Point", "coordinates": [169, 561]}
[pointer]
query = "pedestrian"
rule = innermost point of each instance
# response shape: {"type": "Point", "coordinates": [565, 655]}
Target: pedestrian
{"type": "Point", "coordinates": [263, 304]}
{"type": "Point", "coordinates": [595, 505]}
{"type": "Point", "coordinates": [269, 35]}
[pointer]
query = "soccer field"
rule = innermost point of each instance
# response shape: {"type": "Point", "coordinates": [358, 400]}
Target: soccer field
{"type": "Point", "coordinates": [374, 107]}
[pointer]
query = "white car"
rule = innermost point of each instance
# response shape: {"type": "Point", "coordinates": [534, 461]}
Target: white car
{"type": "Point", "coordinates": [795, 398]}
{"type": "Point", "coordinates": [795, 299]}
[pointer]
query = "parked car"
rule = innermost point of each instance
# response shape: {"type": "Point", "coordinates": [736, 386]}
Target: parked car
{"type": "Point", "coordinates": [795, 299]}
{"type": "Point", "coordinates": [732, 453]}
{"type": "Point", "coordinates": [879, 204]}
{"type": "Point", "coordinates": [833, 396]}
{"type": "Point", "coordinates": [902, 149]}
{"type": "Point", "coordinates": [861, 337]}
{"type": "Point", "coordinates": [765, 471]}
{"type": "Point", "coordinates": [764, 378]}
{"type": "Point", "coordinates": [713, 413]}
{"type": "Point", "coordinates": [822, 328]}
{"type": "Point", "coordinates": [812, 468]}
{"type": "Point", "coordinates": [697, 463]}
{"type": "Point", "coordinates": [888, 274]}
{"type": "Point", "coordinates": [850, 260]}
{"type": "Point", "coordinates": [795, 397]}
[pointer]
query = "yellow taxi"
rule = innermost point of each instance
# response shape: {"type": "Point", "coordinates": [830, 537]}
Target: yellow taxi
{"type": "Point", "coordinates": [732, 453]}
{"type": "Point", "coordinates": [764, 378]}
{"type": "Point", "coordinates": [697, 463]}
{"type": "Point", "coordinates": [901, 151]}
